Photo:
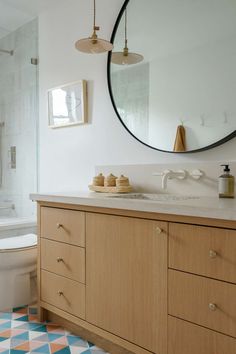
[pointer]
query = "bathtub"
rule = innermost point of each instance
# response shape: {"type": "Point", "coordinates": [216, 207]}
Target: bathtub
{"type": "Point", "coordinates": [16, 226]}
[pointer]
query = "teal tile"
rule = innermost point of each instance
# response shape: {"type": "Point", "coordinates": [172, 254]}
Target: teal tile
{"type": "Point", "coordinates": [5, 315]}
{"type": "Point", "coordinates": [54, 336]}
{"type": "Point", "coordinates": [65, 350]}
{"type": "Point", "coordinates": [44, 349]}
{"type": "Point", "coordinates": [77, 341]}
{"type": "Point", "coordinates": [29, 326]}
{"type": "Point", "coordinates": [15, 309]}
{"type": "Point", "coordinates": [5, 325]}
{"type": "Point", "coordinates": [41, 328]}
{"type": "Point", "coordinates": [23, 319]}
{"type": "Point", "coordinates": [22, 336]}
{"type": "Point", "coordinates": [33, 310]}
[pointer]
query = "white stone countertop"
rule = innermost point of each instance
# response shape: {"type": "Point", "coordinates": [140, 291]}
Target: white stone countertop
{"type": "Point", "coordinates": [200, 206]}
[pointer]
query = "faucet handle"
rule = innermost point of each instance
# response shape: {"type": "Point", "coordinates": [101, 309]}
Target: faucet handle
{"type": "Point", "coordinates": [181, 174]}
{"type": "Point", "coordinates": [163, 173]}
{"type": "Point", "coordinates": [196, 174]}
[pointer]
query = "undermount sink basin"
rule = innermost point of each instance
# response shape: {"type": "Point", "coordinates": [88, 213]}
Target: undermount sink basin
{"type": "Point", "coordinates": [155, 197]}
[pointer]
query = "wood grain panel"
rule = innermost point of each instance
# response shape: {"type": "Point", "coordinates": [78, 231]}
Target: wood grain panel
{"type": "Point", "coordinates": [71, 300]}
{"type": "Point", "coordinates": [63, 225]}
{"type": "Point", "coordinates": [205, 251]}
{"type": "Point", "coordinates": [231, 224]}
{"type": "Point", "coordinates": [189, 298]}
{"type": "Point", "coordinates": [126, 276]}
{"type": "Point", "coordinates": [187, 338]}
{"type": "Point", "coordinates": [63, 259]}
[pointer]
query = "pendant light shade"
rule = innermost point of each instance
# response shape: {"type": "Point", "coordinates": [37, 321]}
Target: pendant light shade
{"type": "Point", "coordinates": [126, 57]}
{"type": "Point", "coordinates": [93, 44]}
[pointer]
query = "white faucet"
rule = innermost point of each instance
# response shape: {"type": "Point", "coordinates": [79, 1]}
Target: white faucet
{"type": "Point", "coordinates": [169, 174]}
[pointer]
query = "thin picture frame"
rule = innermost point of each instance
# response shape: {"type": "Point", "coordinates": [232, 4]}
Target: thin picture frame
{"type": "Point", "coordinates": [67, 105]}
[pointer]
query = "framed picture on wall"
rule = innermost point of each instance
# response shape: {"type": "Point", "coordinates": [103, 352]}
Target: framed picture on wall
{"type": "Point", "coordinates": [67, 105]}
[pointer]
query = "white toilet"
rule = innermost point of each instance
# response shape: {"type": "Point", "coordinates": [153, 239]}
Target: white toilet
{"type": "Point", "coordinates": [18, 259]}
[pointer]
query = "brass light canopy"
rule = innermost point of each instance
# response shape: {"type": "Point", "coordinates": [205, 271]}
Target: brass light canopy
{"type": "Point", "coordinates": [93, 44]}
{"type": "Point", "coordinates": [126, 57]}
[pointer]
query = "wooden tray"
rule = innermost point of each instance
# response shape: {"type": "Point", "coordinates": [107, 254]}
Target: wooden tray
{"type": "Point", "coordinates": [123, 189]}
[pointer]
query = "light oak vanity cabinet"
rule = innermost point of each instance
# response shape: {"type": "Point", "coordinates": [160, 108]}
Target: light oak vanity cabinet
{"type": "Point", "coordinates": [146, 282]}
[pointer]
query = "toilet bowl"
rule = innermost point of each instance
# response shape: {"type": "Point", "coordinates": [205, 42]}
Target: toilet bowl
{"type": "Point", "coordinates": [18, 259]}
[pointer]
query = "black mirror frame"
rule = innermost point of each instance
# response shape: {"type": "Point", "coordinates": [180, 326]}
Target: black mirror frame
{"type": "Point", "coordinates": [220, 142]}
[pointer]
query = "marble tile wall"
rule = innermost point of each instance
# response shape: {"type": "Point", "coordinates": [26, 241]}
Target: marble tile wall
{"type": "Point", "coordinates": [18, 113]}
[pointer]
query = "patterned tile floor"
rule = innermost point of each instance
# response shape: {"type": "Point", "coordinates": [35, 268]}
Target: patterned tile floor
{"type": "Point", "coordinates": [21, 333]}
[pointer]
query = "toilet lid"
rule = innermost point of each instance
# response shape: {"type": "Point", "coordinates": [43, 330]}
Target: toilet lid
{"type": "Point", "coordinates": [24, 241]}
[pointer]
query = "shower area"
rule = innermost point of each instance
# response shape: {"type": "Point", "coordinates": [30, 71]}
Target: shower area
{"type": "Point", "coordinates": [18, 126]}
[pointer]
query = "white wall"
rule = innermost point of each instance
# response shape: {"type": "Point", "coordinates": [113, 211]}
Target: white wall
{"type": "Point", "coordinates": [183, 86]}
{"type": "Point", "coordinates": [68, 156]}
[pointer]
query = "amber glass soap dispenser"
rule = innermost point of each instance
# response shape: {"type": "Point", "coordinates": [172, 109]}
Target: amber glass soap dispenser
{"type": "Point", "coordinates": [226, 184]}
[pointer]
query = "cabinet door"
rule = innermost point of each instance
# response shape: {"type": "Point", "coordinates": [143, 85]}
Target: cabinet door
{"type": "Point", "coordinates": [126, 277]}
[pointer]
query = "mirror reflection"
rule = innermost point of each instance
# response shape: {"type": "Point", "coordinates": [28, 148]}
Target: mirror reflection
{"type": "Point", "coordinates": [181, 96]}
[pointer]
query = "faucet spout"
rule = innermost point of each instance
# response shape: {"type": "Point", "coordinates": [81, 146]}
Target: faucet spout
{"type": "Point", "coordinates": [167, 174]}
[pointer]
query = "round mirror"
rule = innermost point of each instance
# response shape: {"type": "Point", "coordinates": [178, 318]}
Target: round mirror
{"type": "Point", "coordinates": [172, 72]}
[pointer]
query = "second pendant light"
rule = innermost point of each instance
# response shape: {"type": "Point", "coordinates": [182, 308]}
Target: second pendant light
{"type": "Point", "coordinates": [126, 57]}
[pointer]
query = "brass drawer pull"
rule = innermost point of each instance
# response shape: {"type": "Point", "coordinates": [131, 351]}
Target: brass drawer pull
{"type": "Point", "coordinates": [59, 225]}
{"type": "Point", "coordinates": [158, 230]}
{"type": "Point", "coordinates": [60, 259]}
{"type": "Point", "coordinates": [212, 307]}
{"type": "Point", "coordinates": [60, 293]}
{"type": "Point", "coordinates": [212, 254]}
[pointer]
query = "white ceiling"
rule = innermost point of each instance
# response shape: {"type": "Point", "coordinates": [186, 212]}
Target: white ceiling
{"type": "Point", "coordinates": [15, 13]}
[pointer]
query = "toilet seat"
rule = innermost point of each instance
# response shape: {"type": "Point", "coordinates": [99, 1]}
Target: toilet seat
{"type": "Point", "coordinates": [18, 243]}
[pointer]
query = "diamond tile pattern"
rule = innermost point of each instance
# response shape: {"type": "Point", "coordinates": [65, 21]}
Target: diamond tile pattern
{"type": "Point", "coordinates": [21, 333]}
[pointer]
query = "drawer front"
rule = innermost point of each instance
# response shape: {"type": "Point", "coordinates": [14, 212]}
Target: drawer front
{"type": "Point", "coordinates": [207, 302]}
{"type": "Point", "coordinates": [63, 259]}
{"type": "Point", "coordinates": [186, 338]}
{"type": "Point", "coordinates": [63, 293]}
{"type": "Point", "coordinates": [202, 250]}
{"type": "Point", "coordinates": [63, 225]}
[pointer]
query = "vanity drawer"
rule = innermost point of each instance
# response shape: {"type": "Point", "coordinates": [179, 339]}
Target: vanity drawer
{"type": "Point", "coordinates": [203, 250]}
{"type": "Point", "coordinates": [186, 338]}
{"type": "Point", "coordinates": [63, 293]}
{"type": "Point", "coordinates": [63, 259]}
{"type": "Point", "coordinates": [207, 302]}
{"type": "Point", "coordinates": [63, 225]}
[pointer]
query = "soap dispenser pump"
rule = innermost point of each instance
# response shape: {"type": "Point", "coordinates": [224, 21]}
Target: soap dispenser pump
{"type": "Point", "coordinates": [226, 184]}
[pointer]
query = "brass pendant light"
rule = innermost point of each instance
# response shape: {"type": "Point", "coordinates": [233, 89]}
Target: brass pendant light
{"type": "Point", "coordinates": [93, 44]}
{"type": "Point", "coordinates": [126, 57]}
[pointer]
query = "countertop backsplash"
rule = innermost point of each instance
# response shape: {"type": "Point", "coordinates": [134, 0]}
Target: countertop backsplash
{"type": "Point", "coordinates": [142, 179]}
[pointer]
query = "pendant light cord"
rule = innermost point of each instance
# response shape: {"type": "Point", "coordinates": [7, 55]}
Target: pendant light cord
{"type": "Point", "coordinates": [94, 13]}
{"type": "Point", "coordinates": [126, 26]}
{"type": "Point", "coordinates": [126, 34]}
